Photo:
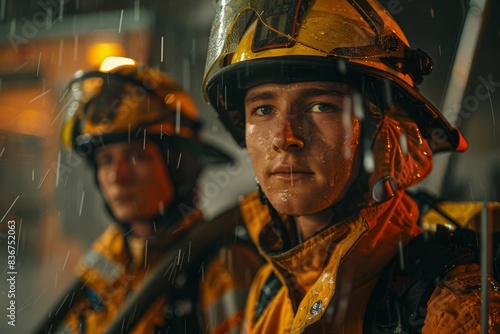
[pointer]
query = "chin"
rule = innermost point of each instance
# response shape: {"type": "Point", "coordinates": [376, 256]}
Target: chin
{"type": "Point", "coordinates": [290, 207]}
{"type": "Point", "coordinates": [124, 216]}
{"type": "Point", "coordinates": [123, 219]}
{"type": "Point", "coordinates": [290, 204]}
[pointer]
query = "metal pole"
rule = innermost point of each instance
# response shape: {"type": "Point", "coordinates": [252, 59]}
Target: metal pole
{"type": "Point", "coordinates": [485, 267]}
{"type": "Point", "coordinates": [474, 24]}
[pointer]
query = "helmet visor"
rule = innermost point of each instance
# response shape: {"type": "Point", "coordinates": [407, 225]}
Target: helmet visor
{"type": "Point", "coordinates": [110, 107]}
{"type": "Point", "coordinates": [345, 29]}
{"type": "Point", "coordinates": [105, 103]}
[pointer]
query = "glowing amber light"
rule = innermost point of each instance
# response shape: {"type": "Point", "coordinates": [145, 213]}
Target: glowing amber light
{"type": "Point", "coordinates": [100, 51]}
{"type": "Point", "coordinates": [111, 63]}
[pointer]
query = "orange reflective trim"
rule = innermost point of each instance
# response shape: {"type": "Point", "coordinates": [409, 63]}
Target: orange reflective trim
{"type": "Point", "coordinates": [462, 143]}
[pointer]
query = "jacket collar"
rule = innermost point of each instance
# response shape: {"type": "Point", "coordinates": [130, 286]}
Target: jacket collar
{"type": "Point", "coordinates": [353, 250]}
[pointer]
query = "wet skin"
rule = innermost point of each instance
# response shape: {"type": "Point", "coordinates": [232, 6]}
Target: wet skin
{"type": "Point", "coordinates": [303, 147]}
{"type": "Point", "coordinates": [134, 181]}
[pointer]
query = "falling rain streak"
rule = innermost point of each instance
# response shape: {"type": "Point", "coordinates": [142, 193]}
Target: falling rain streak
{"type": "Point", "coordinates": [81, 204]}
{"type": "Point", "coordinates": [41, 95]}
{"type": "Point", "coordinates": [40, 295]}
{"type": "Point", "coordinates": [146, 253]}
{"type": "Point", "coordinates": [179, 161]}
{"type": "Point", "coordinates": [58, 167]}
{"type": "Point", "coordinates": [161, 49]}
{"type": "Point", "coordinates": [189, 252]}
{"type": "Point", "coordinates": [403, 142]}
{"type": "Point", "coordinates": [38, 65]}
{"type": "Point", "coordinates": [21, 66]}
{"type": "Point", "coordinates": [492, 116]}
{"type": "Point", "coordinates": [346, 122]}
{"type": "Point", "coordinates": [137, 10]}
{"type": "Point", "coordinates": [65, 260]}
{"type": "Point", "coordinates": [75, 48]}
{"type": "Point", "coordinates": [178, 117]}
{"type": "Point", "coordinates": [121, 20]}
{"type": "Point", "coordinates": [42, 179]}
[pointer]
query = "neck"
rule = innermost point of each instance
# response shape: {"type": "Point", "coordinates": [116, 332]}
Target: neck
{"type": "Point", "coordinates": [142, 228]}
{"type": "Point", "coordinates": [310, 224]}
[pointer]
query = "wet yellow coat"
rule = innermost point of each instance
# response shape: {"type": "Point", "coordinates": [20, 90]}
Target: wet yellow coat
{"type": "Point", "coordinates": [110, 271]}
{"type": "Point", "coordinates": [327, 280]}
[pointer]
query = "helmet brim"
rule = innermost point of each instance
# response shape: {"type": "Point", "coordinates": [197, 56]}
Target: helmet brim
{"type": "Point", "coordinates": [205, 153]}
{"type": "Point", "coordinates": [226, 92]}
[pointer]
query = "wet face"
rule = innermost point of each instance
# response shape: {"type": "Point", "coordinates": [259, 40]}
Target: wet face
{"type": "Point", "coordinates": [303, 142]}
{"type": "Point", "coordinates": [134, 180]}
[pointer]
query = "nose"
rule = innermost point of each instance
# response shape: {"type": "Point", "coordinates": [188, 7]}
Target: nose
{"type": "Point", "coordinates": [287, 135]}
{"type": "Point", "coordinates": [121, 172]}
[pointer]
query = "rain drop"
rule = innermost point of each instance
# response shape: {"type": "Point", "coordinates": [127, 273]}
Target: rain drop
{"type": "Point", "coordinates": [403, 142]}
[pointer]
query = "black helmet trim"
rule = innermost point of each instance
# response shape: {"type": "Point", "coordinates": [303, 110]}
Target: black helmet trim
{"type": "Point", "coordinates": [226, 91]}
{"type": "Point", "coordinates": [85, 142]}
{"type": "Point", "coordinates": [152, 89]}
{"type": "Point", "coordinates": [86, 145]}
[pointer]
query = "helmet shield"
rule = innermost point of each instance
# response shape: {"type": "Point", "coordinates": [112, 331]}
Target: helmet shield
{"type": "Point", "coordinates": [255, 41]}
{"type": "Point", "coordinates": [345, 29]}
{"type": "Point", "coordinates": [110, 107]}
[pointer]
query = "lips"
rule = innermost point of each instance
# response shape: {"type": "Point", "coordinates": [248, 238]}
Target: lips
{"type": "Point", "coordinates": [123, 198]}
{"type": "Point", "coordinates": [290, 172]}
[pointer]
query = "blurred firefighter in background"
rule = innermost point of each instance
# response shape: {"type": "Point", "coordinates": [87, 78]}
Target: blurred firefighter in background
{"type": "Point", "coordinates": [139, 132]}
{"type": "Point", "coordinates": [324, 96]}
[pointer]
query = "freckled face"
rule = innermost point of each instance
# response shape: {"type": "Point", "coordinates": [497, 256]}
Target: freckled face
{"type": "Point", "coordinates": [134, 180]}
{"type": "Point", "coordinates": [303, 142]}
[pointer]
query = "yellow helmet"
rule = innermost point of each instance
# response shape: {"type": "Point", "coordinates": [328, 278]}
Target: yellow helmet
{"type": "Point", "coordinates": [262, 41]}
{"type": "Point", "coordinates": [124, 101]}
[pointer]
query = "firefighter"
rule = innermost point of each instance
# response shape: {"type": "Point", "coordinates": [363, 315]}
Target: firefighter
{"type": "Point", "coordinates": [324, 96]}
{"type": "Point", "coordinates": [138, 130]}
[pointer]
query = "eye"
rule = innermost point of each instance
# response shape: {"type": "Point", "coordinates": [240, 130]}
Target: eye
{"type": "Point", "coordinates": [322, 108]}
{"type": "Point", "coordinates": [138, 155]}
{"type": "Point", "coordinates": [103, 159]}
{"type": "Point", "coordinates": [262, 111]}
